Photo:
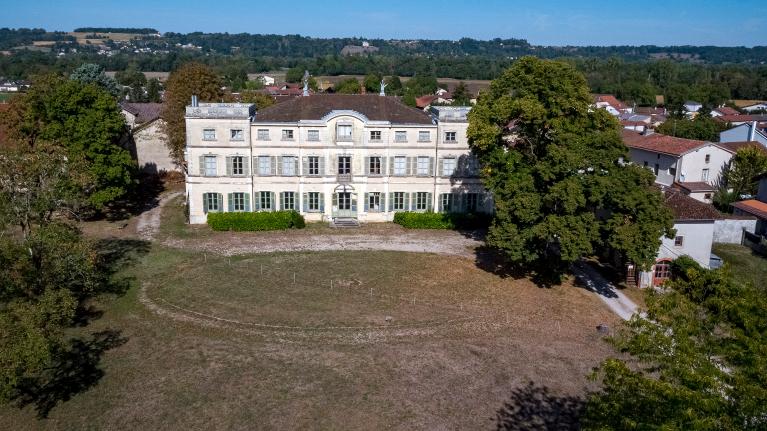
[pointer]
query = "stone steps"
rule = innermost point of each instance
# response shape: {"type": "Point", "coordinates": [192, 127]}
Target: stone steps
{"type": "Point", "coordinates": [345, 223]}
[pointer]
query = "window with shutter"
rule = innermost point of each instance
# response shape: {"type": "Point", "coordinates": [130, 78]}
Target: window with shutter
{"type": "Point", "coordinates": [448, 167]}
{"type": "Point", "coordinates": [400, 166]}
{"type": "Point", "coordinates": [238, 165]}
{"type": "Point", "coordinates": [288, 200]}
{"type": "Point", "coordinates": [210, 166]}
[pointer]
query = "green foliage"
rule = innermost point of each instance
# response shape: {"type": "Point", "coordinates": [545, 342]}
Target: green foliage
{"type": "Point", "coordinates": [153, 90]}
{"type": "Point", "coordinates": [348, 86]}
{"type": "Point", "coordinates": [461, 96]}
{"type": "Point", "coordinates": [256, 221]}
{"type": "Point", "coordinates": [261, 100]}
{"type": "Point", "coordinates": [372, 82]}
{"type": "Point", "coordinates": [745, 166]}
{"type": "Point", "coordinates": [189, 79]}
{"type": "Point", "coordinates": [420, 85]}
{"type": "Point", "coordinates": [698, 360]}
{"type": "Point", "coordinates": [91, 73]}
{"type": "Point", "coordinates": [84, 120]}
{"type": "Point", "coordinates": [295, 74]}
{"type": "Point", "coordinates": [393, 85]}
{"type": "Point", "coordinates": [682, 266]}
{"type": "Point", "coordinates": [136, 81]}
{"type": "Point", "coordinates": [560, 191]}
{"type": "Point", "coordinates": [703, 127]}
{"type": "Point", "coordinates": [430, 220]}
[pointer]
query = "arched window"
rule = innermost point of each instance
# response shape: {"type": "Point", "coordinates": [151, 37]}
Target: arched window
{"type": "Point", "coordinates": [661, 271]}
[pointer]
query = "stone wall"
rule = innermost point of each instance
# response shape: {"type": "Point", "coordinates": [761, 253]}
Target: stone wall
{"type": "Point", "coordinates": [730, 231]}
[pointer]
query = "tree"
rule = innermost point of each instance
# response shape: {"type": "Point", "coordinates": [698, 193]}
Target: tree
{"type": "Point", "coordinates": [461, 96]}
{"type": "Point", "coordinates": [90, 73]}
{"type": "Point", "coordinates": [698, 360]}
{"type": "Point", "coordinates": [135, 81]}
{"type": "Point", "coordinates": [261, 100]}
{"type": "Point", "coordinates": [153, 90]}
{"type": "Point", "coordinates": [189, 79]}
{"type": "Point", "coordinates": [703, 127]}
{"type": "Point", "coordinates": [372, 82]}
{"type": "Point", "coordinates": [84, 120]}
{"type": "Point", "coordinates": [554, 166]}
{"type": "Point", "coordinates": [420, 85]}
{"type": "Point", "coordinates": [747, 163]}
{"type": "Point", "coordinates": [393, 85]}
{"type": "Point", "coordinates": [295, 74]}
{"type": "Point", "coordinates": [348, 86]}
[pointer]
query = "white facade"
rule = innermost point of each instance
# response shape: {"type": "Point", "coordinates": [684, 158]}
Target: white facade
{"type": "Point", "coordinates": [703, 164]}
{"type": "Point", "coordinates": [744, 133]}
{"type": "Point", "coordinates": [762, 106]}
{"type": "Point", "coordinates": [693, 238]}
{"type": "Point", "coordinates": [341, 164]}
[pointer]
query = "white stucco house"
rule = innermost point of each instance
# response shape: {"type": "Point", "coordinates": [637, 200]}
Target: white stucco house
{"type": "Point", "coordinates": [148, 142]}
{"type": "Point", "coordinates": [266, 79]}
{"type": "Point", "coordinates": [611, 104]}
{"type": "Point", "coordinates": [747, 132]}
{"type": "Point", "coordinates": [692, 107]}
{"type": "Point", "coordinates": [694, 223]}
{"type": "Point", "coordinates": [758, 106]}
{"type": "Point", "coordinates": [693, 165]}
{"type": "Point", "coordinates": [357, 158]}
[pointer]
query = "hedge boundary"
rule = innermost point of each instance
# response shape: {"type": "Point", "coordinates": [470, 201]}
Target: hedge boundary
{"type": "Point", "coordinates": [256, 221]}
{"type": "Point", "coordinates": [431, 220]}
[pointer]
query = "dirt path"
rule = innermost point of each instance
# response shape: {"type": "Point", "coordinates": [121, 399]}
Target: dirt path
{"type": "Point", "coordinates": [619, 303]}
{"type": "Point", "coordinates": [148, 222]}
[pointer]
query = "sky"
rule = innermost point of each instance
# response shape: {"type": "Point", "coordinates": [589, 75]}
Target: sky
{"type": "Point", "coordinates": [541, 22]}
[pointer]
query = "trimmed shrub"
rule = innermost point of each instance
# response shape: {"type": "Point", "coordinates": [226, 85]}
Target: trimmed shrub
{"type": "Point", "coordinates": [247, 221]}
{"type": "Point", "coordinates": [430, 220]}
{"type": "Point", "coordinates": [682, 266]}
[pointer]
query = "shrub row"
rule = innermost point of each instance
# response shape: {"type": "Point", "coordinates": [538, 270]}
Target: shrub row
{"type": "Point", "coordinates": [429, 220]}
{"type": "Point", "coordinates": [246, 221]}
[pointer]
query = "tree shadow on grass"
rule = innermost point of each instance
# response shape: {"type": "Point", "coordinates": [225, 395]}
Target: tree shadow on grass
{"type": "Point", "coordinates": [535, 408]}
{"type": "Point", "coordinates": [75, 370]}
{"type": "Point", "coordinates": [491, 260]}
{"type": "Point", "coordinates": [116, 254]}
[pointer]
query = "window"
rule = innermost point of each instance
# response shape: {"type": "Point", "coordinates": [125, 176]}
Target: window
{"type": "Point", "coordinates": [211, 202]}
{"type": "Point", "coordinates": [262, 135]}
{"type": "Point", "coordinates": [662, 272]}
{"type": "Point", "coordinates": [287, 135]}
{"type": "Point", "coordinates": [656, 169]}
{"type": "Point", "coordinates": [344, 132]}
{"type": "Point", "coordinates": [236, 135]}
{"type": "Point", "coordinates": [374, 202]}
{"type": "Point", "coordinates": [289, 166]}
{"type": "Point", "coordinates": [449, 136]}
{"type": "Point", "coordinates": [314, 135]}
{"type": "Point", "coordinates": [400, 136]}
{"type": "Point", "coordinates": [423, 166]}
{"type": "Point", "coordinates": [707, 196]}
{"type": "Point", "coordinates": [471, 202]}
{"type": "Point", "coordinates": [374, 166]}
{"type": "Point", "coordinates": [672, 170]}
{"type": "Point", "coordinates": [265, 201]}
{"type": "Point", "coordinates": [400, 166]}
{"type": "Point", "coordinates": [708, 158]}
{"type": "Point", "coordinates": [313, 165]}
{"type": "Point", "coordinates": [645, 164]}
{"type": "Point", "coordinates": [424, 136]}
{"type": "Point", "coordinates": [448, 167]}
{"type": "Point", "coordinates": [264, 165]}
{"type": "Point", "coordinates": [314, 201]}
{"type": "Point", "coordinates": [344, 165]}
{"type": "Point", "coordinates": [210, 166]}
{"type": "Point", "coordinates": [678, 241]}
{"type": "Point", "coordinates": [238, 202]}
{"type": "Point", "coordinates": [704, 175]}
{"type": "Point", "coordinates": [238, 165]}
{"type": "Point", "coordinates": [399, 202]}
{"type": "Point", "coordinates": [421, 201]}
{"type": "Point", "coordinates": [446, 202]}
{"type": "Point", "coordinates": [288, 200]}
{"type": "Point", "coordinates": [208, 134]}
{"type": "Point", "coordinates": [375, 135]}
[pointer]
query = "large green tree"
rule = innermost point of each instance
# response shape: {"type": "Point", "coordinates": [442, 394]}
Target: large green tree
{"type": "Point", "coordinates": [698, 360]}
{"type": "Point", "coordinates": [90, 73]}
{"type": "Point", "coordinates": [703, 127]}
{"type": "Point", "coordinates": [556, 169]}
{"type": "Point", "coordinates": [86, 121]}
{"type": "Point", "coordinates": [348, 86]}
{"type": "Point", "coordinates": [738, 177]}
{"type": "Point", "coordinates": [189, 79]}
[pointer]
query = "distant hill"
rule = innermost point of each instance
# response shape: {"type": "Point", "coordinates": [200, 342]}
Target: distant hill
{"type": "Point", "coordinates": [115, 30]}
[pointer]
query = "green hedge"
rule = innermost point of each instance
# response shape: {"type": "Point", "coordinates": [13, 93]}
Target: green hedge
{"type": "Point", "coordinates": [245, 221]}
{"type": "Point", "coordinates": [429, 220]}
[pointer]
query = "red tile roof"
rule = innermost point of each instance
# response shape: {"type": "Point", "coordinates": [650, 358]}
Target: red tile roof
{"type": "Point", "coordinates": [734, 147]}
{"type": "Point", "coordinates": [144, 112]}
{"type": "Point", "coordinates": [425, 101]}
{"type": "Point", "coordinates": [658, 143]}
{"type": "Point", "coordinates": [752, 206]}
{"type": "Point", "coordinates": [610, 100]}
{"type": "Point", "coordinates": [686, 208]}
{"type": "Point", "coordinates": [695, 186]}
{"type": "Point", "coordinates": [726, 110]}
{"type": "Point", "coordinates": [736, 118]}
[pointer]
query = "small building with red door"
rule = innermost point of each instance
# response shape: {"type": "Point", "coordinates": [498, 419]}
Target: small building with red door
{"type": "Point", "coordinates": [694, 224]}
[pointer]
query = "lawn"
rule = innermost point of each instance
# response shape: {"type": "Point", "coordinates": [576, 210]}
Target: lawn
{"type": "Point", "coordinates": [746, 266]}
{"type": "Point", "coordinates": [400, 341]}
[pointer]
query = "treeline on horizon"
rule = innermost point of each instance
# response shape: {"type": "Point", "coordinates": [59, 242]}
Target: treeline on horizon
{"type": "Point", "coordinates": [635, 81]}
{"type": "Point", "coordinates": [115, 30]}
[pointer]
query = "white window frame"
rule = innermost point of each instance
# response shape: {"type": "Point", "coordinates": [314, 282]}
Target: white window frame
{"type": "Point", "coordinates": [264, 197]}
{"type": "Point", "coordinates": [400, 136]}
{"type": "Point", "coordinates": [313, 135]}
{"type": "Point", "coordinates": [211, 198]}
{"type": "Point", "coordinates": [238, 202]}
{"type": "Point", "coordinates": [679, 241]}
{"type": "Point", "coordinates": [704, 174]}
{"type": "Point", "coordinates": [343, 127]}
{"type": "Point", "coordinates": [374, 197]}
{"type": "Point", "coordinates": [422, 166]}
{"type": "Point", "coordinates": [375, 135]}
{"type": "Point", "coordinates": [453, 162]}
{"type": "Point", "coordinates": [447, 202]}
{"type": "Point", "coordinates": [424, 136]}
{"type": "Point", "coordinates": [287, 134]}
{"type": "Point", "coordinates": [421, 201]}
{"type": "Point", "coordinates": [262, 135]}
{"type": "Point", "coordinates": [313, 201]}
{"type": "Point", "coordinates": [289, 166]}
{"type": "Point", "coordinates": [208, 134]}
{"type": "Point", "coordinates": [211, 168]}
{"type": "Point", "coordinates": [398, 201]}
{"type": "Point", "coordinates": [450, 137]}
{"type": "Point", "coordinates": [316, 167]}
{"type": "Point", "coordinates": [397, 170]}
{"type": "Point", "coordinates": [288, 197]}
{"type": "Point", "coordinates": [236, 135]}
{"type": "Point", "coordinates": [375, 162]}
{"type": "Point", "coordinates": [238, 165]}
{"type": "Point", "coordinates": [264, 162]}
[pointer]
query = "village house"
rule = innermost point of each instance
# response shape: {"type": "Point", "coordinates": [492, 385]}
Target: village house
{"type": "Point", "coordinates": [755, 207]}
{"type": "Point", "coordinates": [691, 108]}
{"type": "Point", "coordinates": [724, 111]}
{"type": "Point", "coordinates": [746, 132]}
{"type": "Point", "coordinates": [148, 137]}
{"type": "Point", "coordinates": [692, 166]}
{"type": "Point", "coordinates": [340, 158]}
{"type": "Point", "coordinates": [611, 104]}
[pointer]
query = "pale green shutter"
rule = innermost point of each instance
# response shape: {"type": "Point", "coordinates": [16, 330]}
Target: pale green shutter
{"type": "Point", "coordinates": [429, 203]}
{"type": "Point", "coordinates": [257, 201]}
{"type": "Point", "coordinates": [391, 201]}
{"type": "Point", "coordinates": [256, 166]}
{"type": "Point", "coordinates": [273, 163]}
{"type": "Point", "coordinates": [202, 165]}
{"type": "Point", "coordinates": [246, 200]}
{"type": "Point", "coordinates": [205, 203]}
{"type": "Point", "coordinates": [295, 166]}
{"type": "Point", "coordinates": [441, 167]}
{"type": "Point", "coordinates": [305, 202]}
{"type": "Point", "coordinates": [431, 166]}
{"type": "Point", "coordinates": [382, 202]}
{"type": "Point", "coordinates": [273, 202]}
{"type": "Point", "coordinates": [366, 168]}
{"type": "Point", "coordinates": [321, 163]}
{"type": "Point", "coordinates": [305, 167]}
{"type": "Point", "coordinates": [280, 161]}
{"type": "Point", "coordinates": [367, 202]}
{"type": "Point", "coordinates": [230, 202]}
{"type": "Point", "coordinates": [229, 163]}
{"type": "Point", "coordinates": [391, 165]}
{"type": "Point", "coordinates": [322, 202]}
{"type": "Point", "coordinates": [383, 165]}
{"type": "Point", "coordinates": [408, 203]}
{"type": "Point", "coordinates": [245, 166]}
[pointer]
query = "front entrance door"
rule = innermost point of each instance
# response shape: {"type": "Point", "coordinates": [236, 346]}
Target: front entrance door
{"type": "Point", "coordinates": [344, 203]}
{"type": "Point", "coordinates": [661, 272]}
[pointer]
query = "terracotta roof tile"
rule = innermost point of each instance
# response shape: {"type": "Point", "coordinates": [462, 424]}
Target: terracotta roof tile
{"type": "Point", "coordinates": [144, 112]}
{"type": "Point", "coordinates": [658, 143]}
{"type": "Point", "coordinates": [695, 186]}
{"type": "Point", "coordinates": [737, 118]}
{"type": "Point", "coordinates": [314, 107]}
{"type": "Point", "coordinates": [726, 110]}
{"type": "Point", "coordinates": [734, 147]}
{"type": "Point", "coordinates": [686, 208]}
{"type": "Point", "coordinates": [610, 100]}
{"type": "Point", "coordinates": [752, 206]}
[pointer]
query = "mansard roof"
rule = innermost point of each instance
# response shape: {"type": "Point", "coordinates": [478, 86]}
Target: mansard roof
{"type": "Point", "coordinates": [317, 106]}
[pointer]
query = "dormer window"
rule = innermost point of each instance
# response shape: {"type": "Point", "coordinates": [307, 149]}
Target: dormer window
{"type": "Point", "coordinates": [344, 132]}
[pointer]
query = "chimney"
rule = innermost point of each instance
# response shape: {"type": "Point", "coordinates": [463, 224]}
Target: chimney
{"type": "Point", "coordinates": [194, 101]}
{"type": "Point", "coordinates": [752, 132]}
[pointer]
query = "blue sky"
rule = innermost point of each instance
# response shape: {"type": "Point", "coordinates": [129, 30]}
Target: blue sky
{"type": "Point", "coordinates": [556, 22]}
